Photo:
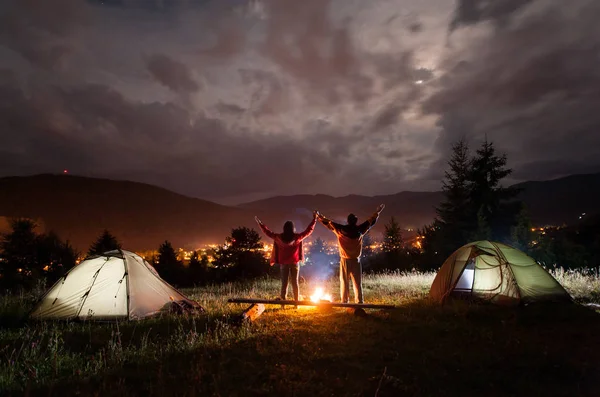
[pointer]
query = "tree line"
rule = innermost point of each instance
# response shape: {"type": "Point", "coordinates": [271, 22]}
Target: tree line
{"type": "Point", "coordinates": [475, 207]}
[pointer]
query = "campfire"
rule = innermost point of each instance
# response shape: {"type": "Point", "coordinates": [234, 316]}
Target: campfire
{"type": "Point", "coordinates": [320, 296]}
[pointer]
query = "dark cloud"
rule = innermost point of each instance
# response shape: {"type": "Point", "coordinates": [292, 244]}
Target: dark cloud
{"type": "Point", "coordinates": [269, 94]}
{"type": "Point", "coordinates": [230, 108]}
{"type": "Point", "coordinates": [415, 27]}
{"type": "Point", "coordinates": [531, 88]}
{"type": "Point", "coordinates": [469, 12]}
{"type": "Point", "coordinates": [234, 99]}
{"type": "Point", "coordinates": [41, 31]}
{"type": "Point", "coordinates": [229, 40]}
{"type": "Point", "coordinates": [387, 116]}
{"type": "Point", "coordinates": [94, 130]}
{"type": "Point", "coordinates": [396, 68]}
{"type": "Point", "coordinates": [172, 74]}
{"type": "Point", "coordinates": [304, 42]}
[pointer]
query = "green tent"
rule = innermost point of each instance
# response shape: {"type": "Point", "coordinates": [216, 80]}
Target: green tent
{"type": "Point", "coordinates": [495, 272]}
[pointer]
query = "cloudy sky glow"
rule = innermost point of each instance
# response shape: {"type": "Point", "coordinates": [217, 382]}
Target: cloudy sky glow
{"type": "Point", "coordinates": [234, 100]}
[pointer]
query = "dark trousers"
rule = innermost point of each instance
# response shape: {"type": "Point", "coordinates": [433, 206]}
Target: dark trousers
{"type": "Point", "coordinates": [289, 273]}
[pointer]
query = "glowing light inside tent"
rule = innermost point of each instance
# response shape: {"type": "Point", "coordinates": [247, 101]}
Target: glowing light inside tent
{"type": "Point", "coordinates": [466, 279]}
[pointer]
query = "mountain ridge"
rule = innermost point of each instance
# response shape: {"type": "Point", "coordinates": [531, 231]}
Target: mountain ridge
{"type": "Point", "coordinates": [142, 215]}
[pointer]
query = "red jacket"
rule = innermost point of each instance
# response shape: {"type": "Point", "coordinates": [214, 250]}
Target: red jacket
{"type": "Point", "coordinates": [288, 253]}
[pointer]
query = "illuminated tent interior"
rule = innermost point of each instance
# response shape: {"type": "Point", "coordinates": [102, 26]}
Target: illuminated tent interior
{"type": "Point", "coordinates": [495, 272]}
{"type": "Point", "coordinates": [118, 284]}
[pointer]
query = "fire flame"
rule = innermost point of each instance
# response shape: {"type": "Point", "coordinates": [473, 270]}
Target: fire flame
{"type": "Point", "coordinates": [319, 295]}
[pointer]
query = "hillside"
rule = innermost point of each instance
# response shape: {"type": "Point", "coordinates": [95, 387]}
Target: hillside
{"type": "Point", "coordinates": [143, 216]}
{"type": "Point", "coordinates": [562, 200]}
{"type": "Point", "coordinates": [553, 202]}
{"type": "Point", "coordinates": [412, 209]}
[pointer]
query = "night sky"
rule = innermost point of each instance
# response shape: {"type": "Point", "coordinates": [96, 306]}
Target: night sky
{"type": "Point", "coordinates": [238, 100]}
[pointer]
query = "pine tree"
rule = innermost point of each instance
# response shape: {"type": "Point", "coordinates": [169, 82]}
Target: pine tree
{"type": "Point", "coordinates": [488, 196]}
{"type": "Point", "coordinates": [432, 245]}
{"type": "Point", "coordinates": [168, 266]}
{"type": "Point", "coordinates": [483, 231]}
{"type": "Point", "coordinates": [27, 257]}
{"type": "Point", "coordinates": [18, 253]}
{"type": "Point", "coordinates": [197, 269]}
{"type": "Point", "coordinates": [55, 256]}
{"type": "Point", "coordinates": [454, 216]}
{"type": "Point", "coordinates": [367, 242]}
{"type": "Point", "coordinates": [243, 238]}
{"type": "Point", "coordinates": [105, 242]}
{"type": "Point", "coordinates": [522, 234]}
{"type": "Point", "coordinates": [392, 238]}
{"type": "Point", "coordinates": [242, 257]}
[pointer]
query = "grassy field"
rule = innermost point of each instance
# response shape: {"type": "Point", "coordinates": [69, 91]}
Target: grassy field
{"type": "Point", "coordinates": [419, 349]}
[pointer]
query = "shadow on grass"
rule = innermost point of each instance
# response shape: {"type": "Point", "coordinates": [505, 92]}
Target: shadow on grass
{"type": "Point", "coordinates": [417, 349]}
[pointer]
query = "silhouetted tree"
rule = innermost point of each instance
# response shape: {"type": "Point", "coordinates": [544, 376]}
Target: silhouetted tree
{"type": "Point", "coordinates": [168, 266]}
{"type": "Point", "coordinates": [483, 230]}
{"type": "Point", "coordinates": [455, 217]}
{"type": "Point", "coordinates": [367, 242]}
{"type": "Point", "coordinates": [198, 269]}
{"type": "Point", "coordinates": [18, 250]}
{"type": "Point", "coordinates": [392, 238]}
{"type": "Point", "coordinates": [393, 256]}
{"type": "Point", "coordinates": [243, 238]}
{"type": "Point", "coordinates": [431, 255]}
{"type": "Point", "coordinates": [475, 205]}
{"type": "Point", "coordinates": [26, 257]}
{"type": "Point", "coordinates": [521, 234]}
{"type": "Point", "coordinates": [242, 256]}
{"type": "Point", "coordinates": [105, 242]}
{"type": "Point", "coordinates": [55, 256]}
{"type": "Point", "coordinates": [488, 197]}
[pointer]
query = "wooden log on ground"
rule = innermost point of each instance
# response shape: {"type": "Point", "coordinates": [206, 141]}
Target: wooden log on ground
{"type": "Point", "coordinates": [311, 303]}
{"type": "Point", "coordinates": [252, 313]}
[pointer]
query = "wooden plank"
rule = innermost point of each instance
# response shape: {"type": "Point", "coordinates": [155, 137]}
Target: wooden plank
{"type": "Point", "coordinates": [311, 303]}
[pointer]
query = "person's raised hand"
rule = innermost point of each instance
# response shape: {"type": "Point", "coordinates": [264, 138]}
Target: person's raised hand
{"type": "Point", "coordinates": [257, 220]}
{"type": "Point", "coordinates": [381, 207]}
{"type": "Point", "coordinates": [316, 214]}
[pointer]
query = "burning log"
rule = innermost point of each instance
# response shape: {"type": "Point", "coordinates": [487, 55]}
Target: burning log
{"type": "Point", "coordinates": [253, 312]}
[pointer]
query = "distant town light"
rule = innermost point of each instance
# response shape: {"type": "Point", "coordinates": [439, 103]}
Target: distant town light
{"type": "Point", "coordinates": [419, 82]}
{"type": "Point", "coordinates": [65, 171]}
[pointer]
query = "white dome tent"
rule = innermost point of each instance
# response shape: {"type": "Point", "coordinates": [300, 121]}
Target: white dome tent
{"type": "Point", "coordinates": [116, 285]}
